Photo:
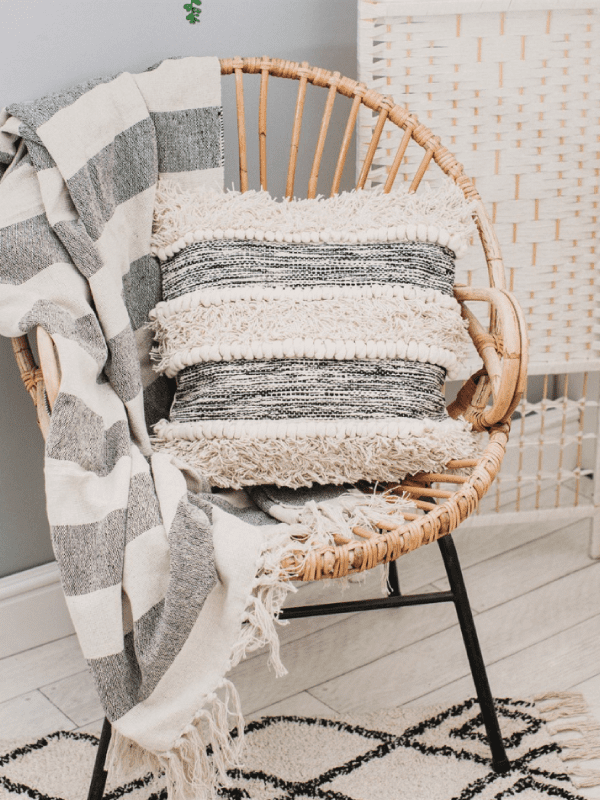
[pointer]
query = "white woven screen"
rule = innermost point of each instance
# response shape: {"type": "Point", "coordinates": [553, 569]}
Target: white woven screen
{"type": "Point", "coordinates": [515, 95]}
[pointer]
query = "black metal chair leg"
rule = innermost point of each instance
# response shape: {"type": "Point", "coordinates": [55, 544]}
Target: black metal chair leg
{"type": "Point", "coordinates": [393, 581]}
{"type": "Point", "coordinates": [99, 774]}
{"type": "Point", "coordinates": [500, 762]}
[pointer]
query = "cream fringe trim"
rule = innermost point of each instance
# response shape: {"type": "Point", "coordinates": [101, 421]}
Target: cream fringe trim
{"type": "Point", "coordinates": [295, 462]}
{"type": "Point", "coordinates": [399, 427]}
{"type": "Point", "coordinates": [190, 773]}
{"type": "Point", "coordinates": [258, 292]}
{"type": "Point", "coordinates": [567, 712]}
{"type": "Point", "coordinates": [440, 216]}
{"type": "Point", "coordinates": [340, 350]}
{"type": "Point", "coordinates": [346, 328]}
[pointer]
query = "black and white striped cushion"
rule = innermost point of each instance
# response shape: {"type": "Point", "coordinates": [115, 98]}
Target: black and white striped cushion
{"type": "Point", "coordinates": [307, 356]}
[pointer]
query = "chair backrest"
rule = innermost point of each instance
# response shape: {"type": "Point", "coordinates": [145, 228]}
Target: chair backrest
{"type": "Point", "coordinates": [388, 114]}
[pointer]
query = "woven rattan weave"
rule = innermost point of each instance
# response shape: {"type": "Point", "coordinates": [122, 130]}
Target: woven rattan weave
{"type": "Point", "coordinates": [487, 399]}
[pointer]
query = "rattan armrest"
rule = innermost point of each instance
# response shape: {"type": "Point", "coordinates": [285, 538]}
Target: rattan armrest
{"type": "Point", "coordinates": [49, 365]}
{"type": "Point", "coordinates": [42, 382]}
{"type": "Point", "coordinates": [504, 356]}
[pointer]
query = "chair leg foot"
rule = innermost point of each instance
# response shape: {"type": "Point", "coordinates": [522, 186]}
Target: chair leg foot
{"type": "Point", "coordinates": [99, 774]}
{"type": "Point", "coordinates": [500, 762]}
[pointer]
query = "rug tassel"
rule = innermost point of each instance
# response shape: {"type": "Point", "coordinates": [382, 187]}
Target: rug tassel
{"type": "Point", "coordinates": [568, 712]}
{"type": "Point", "coordinates": [584, 778]}
{"type": "Point", "coordinates": [560, 704]}
{"type": "Point", "coordinates": [565, 725]}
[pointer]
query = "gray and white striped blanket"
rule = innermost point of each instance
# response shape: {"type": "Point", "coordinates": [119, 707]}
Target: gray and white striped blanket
{"type": "Point", "coordinates": [158, 578]}
{"type": "Point", "coordinates": [169, 586]}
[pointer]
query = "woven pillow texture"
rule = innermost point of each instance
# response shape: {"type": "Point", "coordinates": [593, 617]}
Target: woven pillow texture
{"type": "Point", "coordinates": [310, 339]}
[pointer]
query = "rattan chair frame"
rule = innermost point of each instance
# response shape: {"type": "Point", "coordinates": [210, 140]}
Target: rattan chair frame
{"type": "Point", "coordinates": [487, 399]}
{"type": "Point", "coordinates": [502, 347]}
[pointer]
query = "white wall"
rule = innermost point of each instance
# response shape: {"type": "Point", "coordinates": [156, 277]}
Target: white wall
{"type": "Point", "coordinates": [52, 44]}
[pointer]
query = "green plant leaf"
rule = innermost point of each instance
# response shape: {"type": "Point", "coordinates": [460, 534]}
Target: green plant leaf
{"type": "Point", "coordinates": [192, 18]}
{"type": "Point", "coordinates": [198, 2]}
{"type": "Point", "coordinates": [188, 6]}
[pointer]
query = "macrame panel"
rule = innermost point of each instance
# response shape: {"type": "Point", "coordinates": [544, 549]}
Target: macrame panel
{"type": "Point", "coordinates": [515, 94]}
{"type": "Point", "coordinates": [550, 458]}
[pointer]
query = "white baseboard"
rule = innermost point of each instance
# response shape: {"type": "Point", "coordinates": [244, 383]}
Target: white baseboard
{"type": "Point", "coordinates": [32, 609]}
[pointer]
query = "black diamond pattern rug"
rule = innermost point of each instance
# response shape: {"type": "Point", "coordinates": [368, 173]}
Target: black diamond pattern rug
{"type": "Point", "coordinates": [401, 754]}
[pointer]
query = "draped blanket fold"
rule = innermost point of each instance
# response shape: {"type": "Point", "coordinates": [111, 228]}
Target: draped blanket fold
{"type": "Point", "coordinates": [168, 585]}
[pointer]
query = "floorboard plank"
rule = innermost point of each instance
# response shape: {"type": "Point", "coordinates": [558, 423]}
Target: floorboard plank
{"type": "Point", "coordinates": [31, 714]}
{"type": "Point", "coordinates": [560, 662]}
{"type": "Point", "coordinates": [506, 630]}
{"type": "Point", "coordinates": [33, 668]}
{"type": "Point", "coordinates": [302, 704]}
{"type": "Point", "coordinates": [341, 647]}
{"type": "Point", "coordinates": [76, 697]}
{"type": "Point", "coordinates": [524, 568]}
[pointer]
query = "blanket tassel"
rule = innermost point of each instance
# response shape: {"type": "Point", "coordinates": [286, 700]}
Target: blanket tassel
{"type": "Point", "coordinates": [198, 763]}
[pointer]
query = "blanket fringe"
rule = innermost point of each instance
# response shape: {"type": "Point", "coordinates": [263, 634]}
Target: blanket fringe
{"type": "Point", "coordinates": [567, 712]}
{"type": "Point", "coordinates": [269, 592]}
{"type": "Point", "coordinates": [198, 762]}
{"type": "Point", "coordinates": [310, 526]}
{"type": "Point", "coordinates": [328, 522]}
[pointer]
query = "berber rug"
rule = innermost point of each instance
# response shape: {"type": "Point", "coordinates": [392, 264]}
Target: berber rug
{"type": "Point", "coordinates": [401, 754]}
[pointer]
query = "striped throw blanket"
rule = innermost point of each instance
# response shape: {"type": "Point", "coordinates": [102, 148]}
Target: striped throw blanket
{"type": "Point", "coordinates": [161, 581]}
{"type": "Point", "coordinates": [169, 586]}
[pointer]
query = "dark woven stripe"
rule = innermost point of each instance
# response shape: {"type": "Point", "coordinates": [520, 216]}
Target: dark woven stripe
{"type": "Point", "coordinates": [190, 139]}
{"type": "Point", "coordinates": [122, 366]}
{"type": "Point", "coordinates": [128, 677]}
{"type": "Point", "coordinates": [44, 248]}
{"type": "Point", "coordinates": [99, 450]}
{"type": "Point", "coordinates": [309, 389]}
{"type": "Point", "coordinates": [226, 263]}
{"type": "Point", "coordinates": [97, 189]}
{"type": "Point", "coordinates": [141, 289]}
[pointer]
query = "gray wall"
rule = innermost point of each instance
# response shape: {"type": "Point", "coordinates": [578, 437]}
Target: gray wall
{"type": "Point", "coordinates": [47, 46]}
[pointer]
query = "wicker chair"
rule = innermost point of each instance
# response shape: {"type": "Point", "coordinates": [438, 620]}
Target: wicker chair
{"type": "Point", "coordinates": [487, 399]}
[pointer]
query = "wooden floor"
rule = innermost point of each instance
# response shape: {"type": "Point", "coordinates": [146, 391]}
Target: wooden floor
{"type": "Point", "coordinates": [536, 597]}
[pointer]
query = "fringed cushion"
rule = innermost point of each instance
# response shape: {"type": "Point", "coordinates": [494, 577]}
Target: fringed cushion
{"type": "Point", "coordinates": [310, 339]}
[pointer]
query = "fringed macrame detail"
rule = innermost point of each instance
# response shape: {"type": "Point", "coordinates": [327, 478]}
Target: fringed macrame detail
{"type": "Point", "coordinates": [567, 712]}
{"type": "Point", "coordinates": [309, 527]}
{"type": "Point", "coordinates": [440, 216]}
{"type": "Point", "coordinates": [302, 461]}
{"type": "Point", "coordinates": [334, 521]}
{"type": "Point", "coordinates": [198, 762]}
{"type": "Point", "coordinates": [281, 560]}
